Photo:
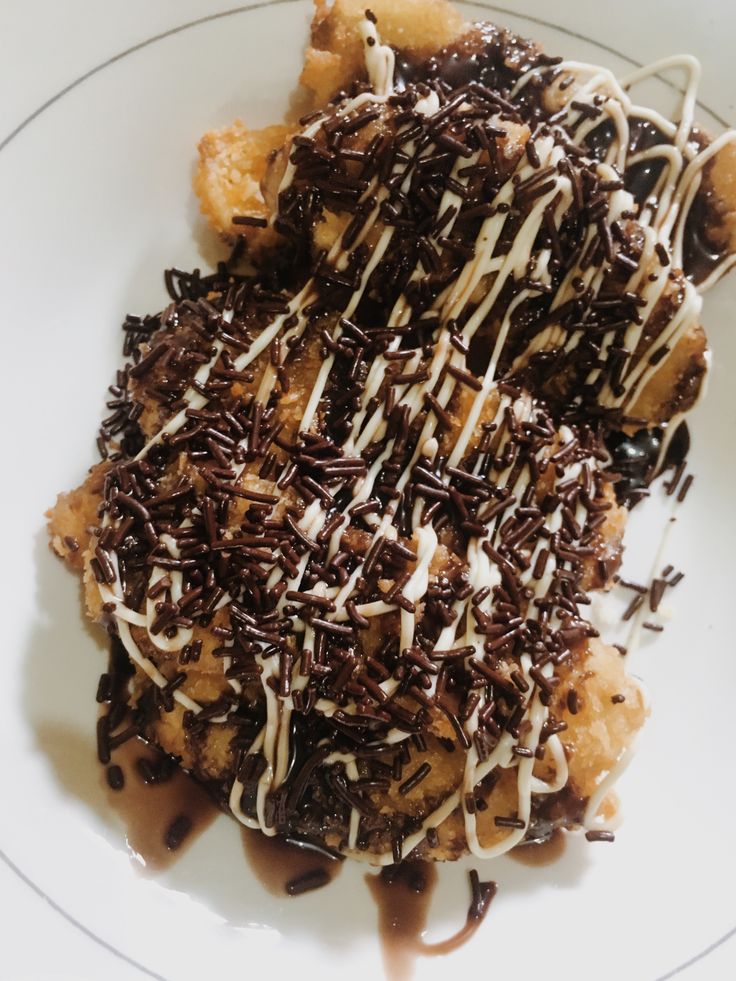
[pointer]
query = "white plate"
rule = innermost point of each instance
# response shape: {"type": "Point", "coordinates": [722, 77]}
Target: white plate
{"type": "Point", "coordinates": [95, 201]}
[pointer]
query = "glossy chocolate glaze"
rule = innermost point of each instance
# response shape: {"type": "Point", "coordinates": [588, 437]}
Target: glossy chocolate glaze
{"type": "Point", "coordinates": [641, 178]}
{"type": "Point", "coordinates": [701, 255]}
{"type": "Point", "coordinates": [486, 53]}
{"type": "Point", "coordinates": [679, 446]}
{"type": "Point", "coordinates": [635, 457]}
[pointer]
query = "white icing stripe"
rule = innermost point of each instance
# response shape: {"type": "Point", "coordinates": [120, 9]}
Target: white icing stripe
{"type": "Point", "coordinates": [591, 819]}
{"type": "Point", "coordinates": [379, 59]}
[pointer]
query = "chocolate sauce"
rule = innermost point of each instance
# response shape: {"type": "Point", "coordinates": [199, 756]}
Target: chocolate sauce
{"type": "Point", "coordinates": [635, 458]}
{"type": "Point", "coordinates": [542, 852]}
{"type": "Point", "coordinates": [289, 866]}
{"type": "Point", "coordinates": [638, 458]}
{"type": "Point", "coordinates": [678, 447]}
{"type": "Point", "coordinates": [486, 54]}
{"type": "Point", "coordinates": [161, 818]}
{"type": "Point", "coordinates": [599, 139]}
{"type": "Point", "coordinates": [403, 894]}
{"type": "Point", "coordinates": [700, 256]}
{"type": "Point", "coordinates": [642, 178]}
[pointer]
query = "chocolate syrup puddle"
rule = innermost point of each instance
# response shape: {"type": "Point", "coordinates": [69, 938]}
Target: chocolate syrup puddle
{"type": "Point", "coordinates": [541, 853]}
{"type": "Point", "coordinates": [289, 866]}
{"type": "Point", "coordinates": [162, 818]}
{"type": "Point", "coordinates": [403, 894]}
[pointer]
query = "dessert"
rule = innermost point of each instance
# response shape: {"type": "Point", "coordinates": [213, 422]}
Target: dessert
{"type": "Point", "coordinates": [359, 483]}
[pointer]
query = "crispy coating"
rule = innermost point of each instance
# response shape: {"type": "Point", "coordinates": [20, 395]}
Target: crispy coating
{"type": "Point", "coordinates": [232, 164]}
{"type": "Point", "coordinates": [70, 522]}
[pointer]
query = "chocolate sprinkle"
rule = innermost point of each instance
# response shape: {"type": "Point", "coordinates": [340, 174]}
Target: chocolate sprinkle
{"type": "Point", "coordinates": [115, 777]}
{"type": "Point", "coordinates": [482, 894]}
{"type": "Point", "coordinates": [314, 879]}
{"type": "Point", "coordinates": [599, 836]}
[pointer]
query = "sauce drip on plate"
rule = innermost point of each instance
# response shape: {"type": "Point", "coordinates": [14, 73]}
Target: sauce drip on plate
{"type": "Point", "coordinates": [403, 894]}
{"type": "Point", "coordinates": [289, 866]}
{"type": "Point", "coordinates": [163, 809]}
{"type": "Point", "coordinates": [541, 852]}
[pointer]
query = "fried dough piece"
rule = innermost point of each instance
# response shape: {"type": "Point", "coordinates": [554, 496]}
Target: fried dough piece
{"type": "Point", "coordinates": [70, 524]}
{"type": "Point", "coordinates": [334, 57]}
{"type": "Point", "coordinates": [73, 515]}
{"type": "Point", "coordinates": [240, 170]}
{"type": "Point", "coordinates": [719, 189]}
{"type": "Point", "coordinates": [232, 164]}
{"type": "Point", "coordinates": [596, 737]}
{"type": "Point", "coordinates": [233, 160]}
{"type": "Point", "coordinates": [676, 386]}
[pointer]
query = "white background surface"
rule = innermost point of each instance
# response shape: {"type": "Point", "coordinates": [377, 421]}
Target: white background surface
{"type": "Point", "coordinates": [44, 47]}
